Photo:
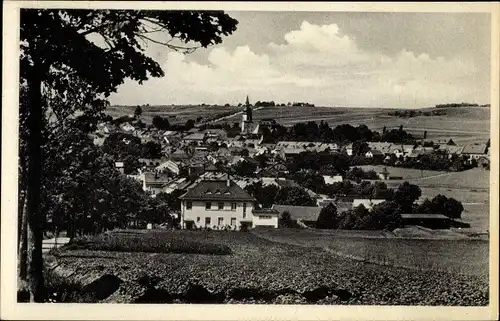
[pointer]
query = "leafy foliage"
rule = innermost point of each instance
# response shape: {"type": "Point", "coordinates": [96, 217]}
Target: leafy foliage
{"type": "Point", "coordinates": [441, 204]}
{"type": "Point", "coordinates": [150, 242]}
{"type": "Point", "coordinates": [406, 195]}
{"type": "Point", "coordinates": [294, 195]}
{"type": "Point", "coordinates": [327, 218]}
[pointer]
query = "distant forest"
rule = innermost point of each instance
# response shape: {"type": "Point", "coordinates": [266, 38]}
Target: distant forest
{"type": "Point", "coordinates": [461, 105]}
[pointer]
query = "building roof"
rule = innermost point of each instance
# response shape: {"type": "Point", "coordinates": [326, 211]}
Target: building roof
{"type": "Point", "coordinates": [381, 146]}
{"type": "Point", "coordinates": [474, 149]}
{"type": "Point", "coordinates": [304, 213]}
{"type": "Point", "coordinates": [367, 203]}
{"type": "Point", "coordinates": [425, 216]}
{"type": "Point", "coordinates": [216, 189]}
{"type": "Point", "coordinates": [156, 178]}
{"type": "Point", "coordinates": [195, 136]}
{"type": "Point", "coordinates": [375, 152]}
{"type": "Point", "coordinates": [270, 211]}
{"type": "Point", "coordinates": [332, 179]}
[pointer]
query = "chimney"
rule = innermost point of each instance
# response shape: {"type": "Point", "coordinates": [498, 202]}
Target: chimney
{"type": "Point", "coordinates": [228, 181]}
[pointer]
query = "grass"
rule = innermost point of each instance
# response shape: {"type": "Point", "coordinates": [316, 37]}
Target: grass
{"type": "Point", "coordinates": [153, 242]}
{"type": "Point", "coordinates": [458, 256]}
{"type": "Point", "coordinates": [405, 173]}
{"type": "Point", "coordinates": [263, 271]}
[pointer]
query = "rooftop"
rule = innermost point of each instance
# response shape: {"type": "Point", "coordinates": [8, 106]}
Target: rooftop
{"type": "Point", "coordinates": [305, 213]}
{"type": "Point", "coordinates": [217, 189]}
{"type": "Point", "coordinates": [425, 216]}
{"type": "Point", "coordinates": [474, 149]}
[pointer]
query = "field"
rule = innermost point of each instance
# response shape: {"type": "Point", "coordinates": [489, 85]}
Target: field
{"type": "Point", "coordinates": [470, 187]}
{"type": "Point", "coordinates": [460, 256]}
{"type": "Point", "coordinates": [405, 173]}
{"type": "Point", "coordinates": [263, 271]}
{"type": "Point", "coordinates": [464, 125]}
{"type": "Point", "coordinates": [175, 114]}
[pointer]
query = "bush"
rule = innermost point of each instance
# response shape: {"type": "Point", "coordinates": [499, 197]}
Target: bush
{"type": "Point", "coordinates": [154, 242]}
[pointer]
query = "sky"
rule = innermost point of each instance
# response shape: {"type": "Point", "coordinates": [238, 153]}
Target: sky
{"type": "Point", "coordinates": [335, 59]}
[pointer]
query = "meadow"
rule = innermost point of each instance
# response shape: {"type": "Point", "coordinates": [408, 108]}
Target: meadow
{"type": "Point", "coordinates": [257, 271]}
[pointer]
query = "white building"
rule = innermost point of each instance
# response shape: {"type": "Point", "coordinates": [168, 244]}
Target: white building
{"type": "Point", "coordinates": [367, 203]}
{"type": "Point", "coordinates": [221, 203]}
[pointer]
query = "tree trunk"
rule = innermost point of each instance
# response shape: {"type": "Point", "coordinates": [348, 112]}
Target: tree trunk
{"type": "Point", "coordinates": [23, 238]}
{"type": "Point", "coordinates": [35, 123]}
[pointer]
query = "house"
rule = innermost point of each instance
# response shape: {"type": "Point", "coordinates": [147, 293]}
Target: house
{"type": "Point", "coordinates": [177, 184]}
{"type": "Point", "coordinates": [384, 174]}
{"type": "Point", "coordinates": [120, 166]}
{"type": "Point", "coordinates": [265, 217]}
{"type": "Point", "coordinates": [126, 127]}
{"type": "Point", "coordinates": [332, 179]}
{"type": "Point", "coordinates": [450, 149]}
{"type": "Point", "coordinates": [302, 215]}
{"type": "Point", "coordinates": [154, 182]}
{"type": "Point", "coordinates": [374, 153]}
{"type": "Point", "coordinates": [216, 134]}
{"type": "Point", "coordinates": [348, 149]}
{"type": "Point", "coordinates": [474, 151]}
{"type": "Point", "coordinates": [367, 203]}
{"type": "Point", "coordinates": [216, 204]}
{"type": "Point", "coordinates": [401, 150]}
{"type": "Point", "coordinates": [196, 138]}
{"type": "Point", "coordinates": [150, 163]}
{"type": "Point", "coordinates": [383, 147]}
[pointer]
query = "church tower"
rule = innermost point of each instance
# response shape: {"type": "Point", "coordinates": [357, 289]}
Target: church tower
{"type": "Point", "coordinates": [248, 110]}
{"type": "Point", "coordinates": [246, 118]}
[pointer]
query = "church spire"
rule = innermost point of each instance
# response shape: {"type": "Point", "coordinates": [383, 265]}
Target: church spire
{"type": "Point", "coordinates": [248, 111]}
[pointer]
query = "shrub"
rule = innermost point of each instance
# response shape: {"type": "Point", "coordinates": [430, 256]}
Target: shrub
{"type": "Point", "coordinates": [146, 242]}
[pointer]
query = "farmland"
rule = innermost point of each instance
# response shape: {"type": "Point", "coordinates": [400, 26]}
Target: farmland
{"type": "Point", "coordinates": [175, 114]}
{"type": "Point", "coordinates": [471, 187]}
{"type": "Point", "coordinates": [263, 271]}
{"type": "Point", "coordinates": [458, 255]}
{"type": "Point", "coordinates": [463, 125]}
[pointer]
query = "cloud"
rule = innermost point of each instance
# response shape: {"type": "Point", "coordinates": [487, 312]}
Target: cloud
{"type": "Point", "coordinates": [315, 63]}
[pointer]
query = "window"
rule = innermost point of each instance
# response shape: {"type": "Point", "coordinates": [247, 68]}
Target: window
{"type": "Point", "coordinates": [244, 210]}
{"type": "Point", "coordinates": [198, 219]}
{"type": "Point", "coordinates": [221, 205]}
{"type": "Point", "coordinates": [189, 205]}
{"type": "Point", "coordinates": [207, 221]}
{"type": "Point", "coordinates": [220, 221]}
{"type": "Point", "coordinates": [233, 206]}
{"type": "Point", "coordinates": [265, 217]}
{"type": "Point", "coordinates": [233, 221]}
{"type": "Point", "coordinates": [208, 205]}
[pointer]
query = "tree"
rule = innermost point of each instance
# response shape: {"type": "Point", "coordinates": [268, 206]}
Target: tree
{"type": "Point", "coordinates": [138, 111]}
{"type": "Point", "coordinates": [294, 195]}
{"type": "Point", "coordinates": [441, 204]}
{"type": "Point", "coordinates": [286, 219]}
{"type": "Point", "coordinates": [245, 168]}
{"type": "Point", "coordinates": [386, 215]}
{"type": "Point", "coordinates": [327, 218]}
{"type": "Point", "coordinates": [406, 195]}
{"type": "Point", "coordinates": [244, 152]}
{"type": "Point", "coordinates": [56, 51]}
{"type": "Point", "coordinates": [265, 195]}
{"type": "Point", "coordinates": [189, 124]}
{"type": "Point", "coordinates": [161, 123]}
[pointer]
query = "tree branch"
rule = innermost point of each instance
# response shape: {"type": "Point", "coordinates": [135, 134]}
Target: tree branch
{"type": "Point", "coordinates": [168, 45]}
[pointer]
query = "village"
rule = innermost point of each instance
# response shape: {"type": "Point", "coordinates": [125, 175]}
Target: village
{"type": "Point", "coordinates": [210, 169]}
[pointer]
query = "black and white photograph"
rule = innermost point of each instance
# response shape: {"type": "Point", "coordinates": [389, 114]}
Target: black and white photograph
{"type": "Point", "coordinates": [168, 156]}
